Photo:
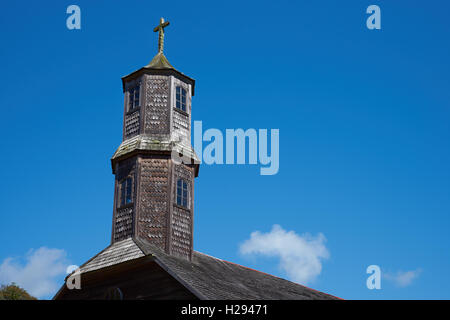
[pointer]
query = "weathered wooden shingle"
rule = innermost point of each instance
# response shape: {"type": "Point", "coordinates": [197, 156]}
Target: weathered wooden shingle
{"type": "Point", "coordinates": [211, 278]}
{"type": "Point", "coordinates": [116, 253]}
{"type": "Point", "coordinates": [205, 276]}
{"type": "Point", "coordinates": [147, 143]}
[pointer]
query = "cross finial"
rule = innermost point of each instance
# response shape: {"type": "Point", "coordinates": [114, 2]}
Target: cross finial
{"type": "Point", "coordinates": [160, 29]}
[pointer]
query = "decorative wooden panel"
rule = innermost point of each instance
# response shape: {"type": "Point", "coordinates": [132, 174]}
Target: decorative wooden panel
{"type": "Point", "coordinates": [182, 218]}
{"type": "Point", "coordinates": [157, 110]}
{"type": "Point", "coordinates": [181, 232]}
{"type": "Point", "coordinates": [181, 126]}
{"type": "Point", "coordinates": [132, 125]}
{"type": "Point", "coordinates": [154, 201]}
{"type": "Point", "coordinates": [123, 227]}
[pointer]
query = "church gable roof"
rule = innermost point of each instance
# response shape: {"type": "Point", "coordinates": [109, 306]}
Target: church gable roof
{"type": "Point", "coordinates": [114, 254]}
{"type": "Point", "coordinates": [216, 279]}
{"type": "Point", "coordinates": [205, 276]}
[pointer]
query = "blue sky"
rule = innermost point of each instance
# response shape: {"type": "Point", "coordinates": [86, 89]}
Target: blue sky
{"type": "Point", "coordinates": [363, 118]}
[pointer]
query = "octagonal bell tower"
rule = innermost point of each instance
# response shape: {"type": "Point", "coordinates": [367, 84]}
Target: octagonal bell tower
{"type": "Point", "coordinates": [154, 193]}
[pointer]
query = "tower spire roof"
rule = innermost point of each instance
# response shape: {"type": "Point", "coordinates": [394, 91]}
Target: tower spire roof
{"type": "Point", "coordinates": [160, 61]}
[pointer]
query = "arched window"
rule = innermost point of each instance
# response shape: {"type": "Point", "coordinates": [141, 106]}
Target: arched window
{"type": "Point", "coordinates": [182, 193]}
{"type": "Point", "coordinates": [180, 98]}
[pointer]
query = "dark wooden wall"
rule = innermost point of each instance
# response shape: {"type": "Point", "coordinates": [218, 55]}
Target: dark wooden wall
{"type": "Point", "coordinates": [136, 281]}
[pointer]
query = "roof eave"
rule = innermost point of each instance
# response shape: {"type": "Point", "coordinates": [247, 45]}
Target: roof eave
{"type": "Point", "coordinates": [161, 71]}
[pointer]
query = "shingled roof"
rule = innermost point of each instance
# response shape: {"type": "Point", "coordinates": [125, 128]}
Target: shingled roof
{"type": "Point", "coordinates": [207, 277]}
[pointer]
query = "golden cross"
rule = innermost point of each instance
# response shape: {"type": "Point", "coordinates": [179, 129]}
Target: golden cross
{"type": "Point", "coordinates": [160, 29]}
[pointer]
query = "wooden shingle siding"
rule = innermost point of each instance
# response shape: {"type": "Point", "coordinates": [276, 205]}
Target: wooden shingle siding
{"type": "Point", "coordinates": [151, 131]}
{"type": "Point", "coordinates": [181, 126]}
{"type": "Point", "coordinates": [132, 124]}
{"type": "Point", "coordinates": [157, 111]}
{"type": "Point", "coordinates": [143, 271]}
{"type": "Point", "coordinates": [211, 278]}
{"type": "Point", "coordinates": [123, 221]}
{"type": "Point", "coordinates": [182, 217]}
{"type": "Point", "coordinates": [181, 120]}
{"type": "Point", "coordinates": [138, 279]}
{"type": "Point", "coordinates": [116, 253]}
{"type": "Point", "coordinates": [151, 254]}
{"type": "Point", "coordinates": [181, 232]}
{"type": "Point", "coordinates": [154, 201]}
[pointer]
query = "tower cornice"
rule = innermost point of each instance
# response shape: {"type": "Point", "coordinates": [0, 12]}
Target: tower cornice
{"type": "Point", "coordinates": [143, 144]}
{"type": "Point", "coordinates": [158, 71]}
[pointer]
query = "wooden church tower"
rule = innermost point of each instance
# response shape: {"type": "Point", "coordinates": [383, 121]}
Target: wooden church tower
{"type": "Point", "coordinates": [151, 252]}
{"type": "Point", "coordinates": [154, 194]}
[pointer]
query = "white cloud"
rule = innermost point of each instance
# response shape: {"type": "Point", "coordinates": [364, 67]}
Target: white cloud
{"type": "Point", "coordinates": [300, 256]}
{"type": "Point", "coordinates": [39, 275]}
{"type": "Point", "coordinates": [402, 278]}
